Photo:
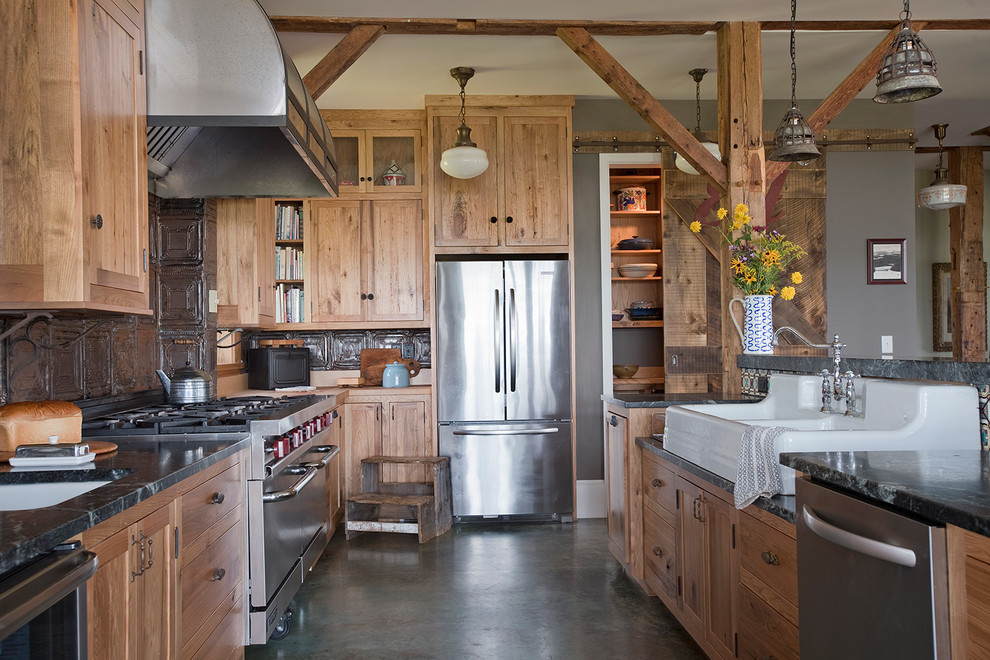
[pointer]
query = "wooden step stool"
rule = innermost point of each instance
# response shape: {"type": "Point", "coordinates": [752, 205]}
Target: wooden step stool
{"type": "Point", "coordinates": [406, 507]}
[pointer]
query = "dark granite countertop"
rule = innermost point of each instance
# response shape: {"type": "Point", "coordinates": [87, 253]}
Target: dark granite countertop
{"type": "Point", "coordinates": [782, 506]}
{"type": "Point", "coordinates": [633, 400]}
{"type": "Point", "coordinates": [941, 486]}
{"type": "Point", "coordinates": [938, 370]}
{"type": "Point", "coordinates": [145, 466]}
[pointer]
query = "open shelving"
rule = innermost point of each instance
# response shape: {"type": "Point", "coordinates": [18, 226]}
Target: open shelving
{"type": "Point", "coordinates": [290, 296]}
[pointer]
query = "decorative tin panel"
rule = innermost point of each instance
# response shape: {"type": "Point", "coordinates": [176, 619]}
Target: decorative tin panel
{"type": "Point", "coordinates": [96, 358]}
{"type": "Point", "coordinates": [180, 240]}
{"type": "Point", "coordinates": [179, 349]}
{"type": "Point", "coordinates": [318, 345]}
{"type": "Point", "coordinates": [388, 338]}
{"type": "Point", "coordinates": [180, 297]}
{"type": "Point", "coordinates": [125, 356]}
{"type": "Point", "coordinates": [28, 367]}
{"type": "Point", "coordinates": [146, 355]}
{"type": "Point", "coordinates": [345, 349]}
{"type": "Point", "coordinates": [66, 361]}
{"type": "Point", "coordinates": [422, 352]}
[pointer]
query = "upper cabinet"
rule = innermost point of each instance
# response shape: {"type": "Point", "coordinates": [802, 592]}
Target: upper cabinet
{"type": "Point", "coordinates": [246, 263]}
{"type": "Point", "coordinates": [522, 202]}
{"type": "Point", "coordinates": [379, 152]}
{"type": "Point", "coordinates": [74, 202]}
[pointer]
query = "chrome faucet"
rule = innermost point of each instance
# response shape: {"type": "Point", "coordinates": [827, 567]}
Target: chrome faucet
{"type": "Point", "coordinates": [835, 385]}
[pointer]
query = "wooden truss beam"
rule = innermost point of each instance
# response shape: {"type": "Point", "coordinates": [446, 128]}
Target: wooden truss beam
{"type": "Point", "coordinates": [341, 57]}
{"type": "Point", "coordinates": [969, 287]}
{"type": "Point", "coordinates": [650, 109]}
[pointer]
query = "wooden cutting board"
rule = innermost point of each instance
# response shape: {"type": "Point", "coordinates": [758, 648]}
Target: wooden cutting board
{"type": "Point", "coordinates": [374, 361]}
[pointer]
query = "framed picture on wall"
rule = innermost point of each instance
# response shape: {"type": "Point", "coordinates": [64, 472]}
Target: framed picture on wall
{"type": "Point", "coordinates": [886, 261]}
{"type": "Point", "coordinates": [941, 307]}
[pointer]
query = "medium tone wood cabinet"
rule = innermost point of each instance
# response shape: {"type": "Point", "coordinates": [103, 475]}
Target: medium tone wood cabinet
{"type": "Point", "coordinates": [365, 262]}
{"type": "Point", "coordinates": [969, 583]}
{"type": "Point", "coordinates": [74, 204]}
{"type": "Point", "coordinates": [386, 424]}
{"type": "Point", "coordinates": [523, 201]}
{"type": "Point", "coordinates": [245, 263]}
{"type": "Point", "coordinates": [369, 141]}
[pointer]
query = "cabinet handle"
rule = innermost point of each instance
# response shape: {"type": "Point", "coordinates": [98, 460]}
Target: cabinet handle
{"type": "Point", "coordinates": [371, 296]}
{"type": "Point", "coordinates": [218, 575]}
{"type": "Point", "coordinates": [656, 483]}
{"type": "Point", "coordinates": [769, 558]}
{"type": "Point", "coordinates": [97, 221]}
{"type": "Point", "coordinates": [657, 551]}
{"type": "Point", "coordinates": [364, 296]}
{"type": "Point", "coordinates": [217, 498]}
{"type": "Point", "coordinates": [508, 219]}
{"type": "Point", "coordinates": [613, 421]}
{"type": "Point", "coordinates": [494, 220]}
{"type": "Point", "coordinates": [151, 559]}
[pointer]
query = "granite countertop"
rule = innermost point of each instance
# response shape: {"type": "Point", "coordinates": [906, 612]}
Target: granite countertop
{"type": "Point", "coordinates": [782, 506]}
{"type": "Point", "coordinates": [941, 486]}
{"type": "Point", "coordinates": [633, 400]}
{"type": "Point", "coordinates": [145, 466]}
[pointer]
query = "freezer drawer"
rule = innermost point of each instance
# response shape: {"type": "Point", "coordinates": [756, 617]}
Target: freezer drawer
{"type": "Point", "coordinates": [510, 470]}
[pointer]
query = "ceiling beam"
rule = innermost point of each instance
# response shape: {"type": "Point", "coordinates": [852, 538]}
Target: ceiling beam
{"type": "Point", "coordinates": [340, 58]}
{"type": "Point", "coordinates": [650, 109]}
{"type": "Point", "coordinates": [435, 26]}
{"type": "Point", "coordinates": [843, 95]}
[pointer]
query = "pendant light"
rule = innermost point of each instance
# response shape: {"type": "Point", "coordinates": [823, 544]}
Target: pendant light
{"type": "Point", "coordinates": [941, 194]}
{"type": "Point", "coordinates": [679, 161]}
{"type": "Point", "coordinates": [908, 71]}
{"type": "Point", "coordinates": [464, 160]}
{"type": "Point", "coordinates": [794, 139]}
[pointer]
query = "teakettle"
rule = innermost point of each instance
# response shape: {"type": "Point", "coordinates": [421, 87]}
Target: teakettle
{"type": "Point", "coordinates": [187, 385]}
{"type": "Point", "coordinates": [395, 375]}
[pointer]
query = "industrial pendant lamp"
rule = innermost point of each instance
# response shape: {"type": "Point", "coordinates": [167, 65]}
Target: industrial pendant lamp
{"type": "Point", "coordinates": [794, 139]}
{"type": "Point", "coordinates": [679, 161]}
{"type": "Point", "coordinates": [908, 69]}
{"type": "Point", "coordinates": [941, 194]}
{"type": "Point", "coordinates": [464, 160]}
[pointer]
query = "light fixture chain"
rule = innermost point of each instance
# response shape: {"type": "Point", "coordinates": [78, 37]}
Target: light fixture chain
{"type": "Point", "coordinates": [462, 113]}
{"type": "Point", "coordinates": [906, 14]}
{"type": "Point", "coordinates": [793, 62]}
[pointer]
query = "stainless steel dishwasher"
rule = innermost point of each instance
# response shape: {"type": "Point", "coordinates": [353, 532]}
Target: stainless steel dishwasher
{"type": "Point", "coordinates": [872, 583]}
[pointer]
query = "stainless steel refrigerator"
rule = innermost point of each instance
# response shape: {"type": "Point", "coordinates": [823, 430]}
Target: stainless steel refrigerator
{"type": "Point", "coordinates": [503, 362]}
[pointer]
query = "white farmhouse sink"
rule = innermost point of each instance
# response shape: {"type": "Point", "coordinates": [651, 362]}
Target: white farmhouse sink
{"type": "Point", "coordinates": [20, 497]}
{"type": "Point", "coordinates": [896, 415]}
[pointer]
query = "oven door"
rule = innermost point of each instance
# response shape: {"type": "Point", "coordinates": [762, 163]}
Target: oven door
{"type": "Point", "coordinates": [43, 606]}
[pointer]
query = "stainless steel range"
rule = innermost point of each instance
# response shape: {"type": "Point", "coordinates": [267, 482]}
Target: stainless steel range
{"type": "Point", "coordinates": [287, 485]}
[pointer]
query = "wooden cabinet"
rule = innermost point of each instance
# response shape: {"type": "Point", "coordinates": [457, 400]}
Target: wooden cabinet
{"type": "Point", "coordinates": [74, 207]}
{"type": "Point", "coordinates": [245, 263]}
{"type": "Point", "coordinates": [523, 200]}
{"type": "Point", "coordinates": [661, 567]}
{"type": "Point", "coordinates": [172, 572]}
{"type": "Point", "coordinates": [969, 583]}
{"type": "Point", "coordinates": [133, 593]}
{"type": "Point", "coordinates": [368, 142]}
{"type": "Point", "coordinates": [768, 599]}
{"type": "Point", "coordinates": [377, 424]}
{"type": "Point", "coordinates": [335, 472]}
{"type": "Point", "coordinates": [366, 261]}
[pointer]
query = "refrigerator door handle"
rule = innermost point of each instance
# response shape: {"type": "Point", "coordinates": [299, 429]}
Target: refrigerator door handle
{"type": "Point", "coordinates": [513, 339]}
{"type": "Point", "coordinates": [538, 431]}
{"type": "Point", "coordinates": [498, 342]}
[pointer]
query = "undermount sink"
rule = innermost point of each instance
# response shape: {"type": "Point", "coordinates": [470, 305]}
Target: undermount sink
{"type": "Point", "coordinates": [895, 415]}
{"type": "Point", "coordinates": [23, 491]}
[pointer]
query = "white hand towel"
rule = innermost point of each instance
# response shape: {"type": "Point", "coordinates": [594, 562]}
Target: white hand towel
{"type": "Point", "coordinates": [759, 469]}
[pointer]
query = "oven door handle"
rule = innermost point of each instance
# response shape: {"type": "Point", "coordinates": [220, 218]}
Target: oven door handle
{"type": "Point", "coordinates": [293, 490]}
{"type": "Point", "coordinates": [40, 591]}
{"type": "Point", "coordinates": [329, 450]}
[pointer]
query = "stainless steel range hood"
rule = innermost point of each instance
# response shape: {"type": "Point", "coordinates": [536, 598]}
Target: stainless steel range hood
{"type": "Point", "coordinates": [228, 114]}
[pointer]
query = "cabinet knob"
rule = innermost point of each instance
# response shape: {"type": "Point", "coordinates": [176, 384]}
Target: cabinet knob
{"type": "Point", "coordinates": [364, 296]}
{"type": "Point", "coordinates": [769, 558]}
{"type": "Point", "coordinates": [657, 551]}
{"type": "Point", "coordinates": [218, 575]}
{"type": "Point", "coordinates": [656, 483]}
{"type": "Point", "coordinates": [97, 221]}
{"type": "Point", "coordinates": [217, 498]}
{"type": "Point", "coordinates": [371, 296]}
{"type": "Point", "coordinates": [613, 421]}
{"type": "Point", "coordinates": [494, 220]}
{"type": "Point", "coordinates": [508, 219]}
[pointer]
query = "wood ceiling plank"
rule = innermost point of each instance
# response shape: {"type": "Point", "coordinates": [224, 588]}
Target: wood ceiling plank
{"type": "Point", "coordinates": [340, 58]}
{"type": "Point", "coordinates": [651, 110]}
{"type": "Point", "coordinates": [497, 27]}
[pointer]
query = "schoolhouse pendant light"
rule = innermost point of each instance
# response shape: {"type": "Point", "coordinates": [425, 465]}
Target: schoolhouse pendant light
{"type": "Point", "coordinates": [908, 70]}
{"type": "Point", "coordinates": [941, 194]}
{"type": "Point", "coordinates": [679, 161]}
{"type": "Point", "coordinates": [794, 139]}
{"type": "Point", "coordinates": [464, 160]}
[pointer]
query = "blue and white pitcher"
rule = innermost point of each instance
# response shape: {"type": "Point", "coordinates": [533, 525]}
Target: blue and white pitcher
{"type": "Point", "coordinates": [757, 331]}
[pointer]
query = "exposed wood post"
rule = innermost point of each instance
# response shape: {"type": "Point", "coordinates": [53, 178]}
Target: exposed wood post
{"type": "Point", "coordinates": [740, 112]}
{"type": "Point", "coordinates": [340, 58]}
{"type": "Point", "coordinates": [969, 287]}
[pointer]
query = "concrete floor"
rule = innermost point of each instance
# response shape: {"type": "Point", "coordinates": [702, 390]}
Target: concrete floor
{"type": "Point", "coordinates": [480, 591]}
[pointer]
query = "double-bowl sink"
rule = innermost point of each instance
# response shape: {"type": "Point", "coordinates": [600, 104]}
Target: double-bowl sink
{"type": "Point", "coordinates": [892, 415]}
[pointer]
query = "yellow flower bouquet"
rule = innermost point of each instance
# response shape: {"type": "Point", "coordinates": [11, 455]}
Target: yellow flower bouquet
{"type": "Point", "coordinates": [760, 256]}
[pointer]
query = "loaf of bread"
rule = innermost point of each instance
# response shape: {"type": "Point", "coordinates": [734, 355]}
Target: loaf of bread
{"type": "Point", "coordinates": [32, 422]}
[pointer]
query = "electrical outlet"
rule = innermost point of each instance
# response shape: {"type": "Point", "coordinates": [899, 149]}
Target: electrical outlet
{"type": "Point", "coordinates": [212, 301]}
{"type": "Point", "coordinates": [887, 344]}
{"type": "Point", "coordinates": [407, 351]}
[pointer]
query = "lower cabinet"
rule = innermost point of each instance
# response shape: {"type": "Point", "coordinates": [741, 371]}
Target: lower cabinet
{"type": "Point", "coordinates": [617, 468]}
{"type": "Point", "coordinates": [172, 570]}
{"type": "Point", "coordinates": [969, 583]}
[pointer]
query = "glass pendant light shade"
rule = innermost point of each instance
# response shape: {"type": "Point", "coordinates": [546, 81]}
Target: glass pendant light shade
{"type": "Point", "coordinates": [684, 166]}
{"type": "Point", "coordinates": [794, 139]}
{"type": "Point", "coordinates": [680, 162]}
{"type": "Point", "coordinates": [908, 71]}
{"type": "Point", "coordinates": [942, 194]}
{"type": "Point", "coordinates": [464, 160]}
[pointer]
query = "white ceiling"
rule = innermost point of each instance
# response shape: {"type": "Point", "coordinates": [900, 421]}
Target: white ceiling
{"type": "Point", "coordinates": [398, 70]}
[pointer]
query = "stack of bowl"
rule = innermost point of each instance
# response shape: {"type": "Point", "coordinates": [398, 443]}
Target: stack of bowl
{"type": "Point", "coordinates": [637, 270]}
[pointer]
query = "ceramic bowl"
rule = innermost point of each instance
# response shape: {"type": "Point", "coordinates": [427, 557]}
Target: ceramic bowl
{"type": "Point", "coordinates": [636, 243]}
{"type": "Point", "coordinates": [637, 270]}
{"type": "Point", "coordinates": [617, 316]}
{"type": "Point", "coordinates": [641, 304]}
{"type": "Point", "coordinates": [624, 370]}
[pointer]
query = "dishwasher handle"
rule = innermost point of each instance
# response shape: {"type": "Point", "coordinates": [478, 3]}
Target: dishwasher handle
{"type": "Point", "coordinates": [39, 591]}
{"type": "Point", "coordinates": [861, 544]}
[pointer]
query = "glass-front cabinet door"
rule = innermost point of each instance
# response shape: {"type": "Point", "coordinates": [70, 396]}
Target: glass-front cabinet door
{"type": "Point", "coordinates": [379, 161]}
